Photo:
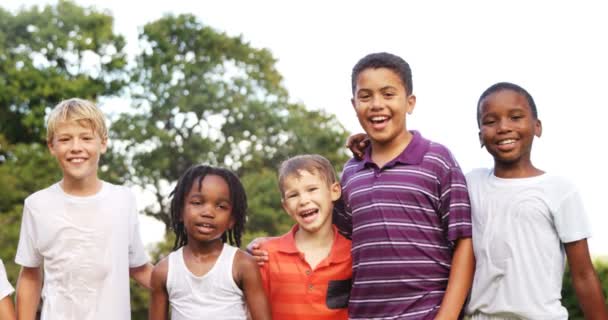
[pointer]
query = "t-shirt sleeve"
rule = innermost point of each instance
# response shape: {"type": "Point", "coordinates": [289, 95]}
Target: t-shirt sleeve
{"type": "Point", "coordinates": [570, 219]}
{"type": "Point", "coordinates": [455, 206]}
{"type": "Point", "coordinates": [137, 253]}
{"type": "Point", "coordinates": [5, 286]}
{"type": "Point", "coordinates": [28, 254]}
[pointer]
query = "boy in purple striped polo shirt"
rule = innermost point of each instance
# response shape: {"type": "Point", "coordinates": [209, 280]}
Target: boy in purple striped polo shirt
{"type": "Point", "coordinates": [406, 205]}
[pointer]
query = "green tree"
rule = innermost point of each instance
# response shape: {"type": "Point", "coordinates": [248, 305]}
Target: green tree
{"type": "Point", "coordinates": [53, 53]}
{"type": "Point", "coordinates": [202, 96]}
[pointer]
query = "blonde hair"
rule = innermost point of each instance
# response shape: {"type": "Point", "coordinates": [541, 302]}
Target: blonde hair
{"type": "Point", "coordinates": [313, 163]}
{"type": "Point", "coordinates": [82, 111]}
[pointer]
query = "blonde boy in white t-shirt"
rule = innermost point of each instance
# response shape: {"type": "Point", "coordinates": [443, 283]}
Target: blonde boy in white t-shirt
{"type": "Point", "coordinates": [84, 231]}
{"type": "Point", "coordinates": [7, 311]}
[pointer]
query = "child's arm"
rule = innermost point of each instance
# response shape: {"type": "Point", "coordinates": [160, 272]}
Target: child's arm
{"type": "Point", "coordinates": [7, 310]}
{"type": "Point", "coordinates": [459, 281]}
{"type": "Point", "coordinates": [585, 280]}
{"type": "Point", "coordinates": [159, 299]}
{"type": "Point", "coordinates": [142, 274]}
{"type": "Point", "coordinates": [250, 280]}
{"type": "Point", "coordinates": [29, 285]}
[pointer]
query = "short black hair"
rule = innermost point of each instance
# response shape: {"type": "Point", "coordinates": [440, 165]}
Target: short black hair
{"type": "Point", "coordinates": [384, 60]}
{"type": "Point", "coordinates": [196, 174]}
{"type": "Point", "coordinates": [506, 86]}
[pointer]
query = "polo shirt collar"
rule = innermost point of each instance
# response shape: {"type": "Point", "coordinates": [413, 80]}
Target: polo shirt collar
{"type": "Point", "coordinates": [412, 154]}
{"type": "Point", "coordinates": [340, 249]}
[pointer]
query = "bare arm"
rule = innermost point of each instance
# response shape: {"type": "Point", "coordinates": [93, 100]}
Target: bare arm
{"type": "Point", "coordinates": [159, 299]}
{"type": "Point", "coordinates": [142, 274]}
{"type": "Point", "coordinates": [585, 281]}
{"type": "Point", "coordinates": [29, 285]}
{"type": "Point", "coordinates": [7, 310]}
{"type": "Point", "coordinates": [460, 280]}
{"type": "Point", "coordinates": [251, 283]}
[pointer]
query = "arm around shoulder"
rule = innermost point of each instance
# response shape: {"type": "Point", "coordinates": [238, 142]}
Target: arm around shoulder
{"type": "Point", "coordinates": [159, 298]}
{"type": "Point", "coordinates": [585, 281]}
{"type": "Point", "coordinates": [29, 285]}
{"type": "Point", "coordinates": [248, 276]}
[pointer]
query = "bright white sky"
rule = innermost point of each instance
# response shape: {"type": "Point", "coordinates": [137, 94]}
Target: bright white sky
{"type": "Point", "coordinates": [557, 50]}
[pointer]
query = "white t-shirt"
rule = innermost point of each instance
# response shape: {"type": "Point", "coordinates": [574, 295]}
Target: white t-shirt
{"type": "Point", "coordinates": [5, 286]}
{"type": "Point", "coordinates": [519, 227]}
{"type": "Point", "coordinates": [87, 245]}
{"type": "Point", "coordinates": [214, 295]}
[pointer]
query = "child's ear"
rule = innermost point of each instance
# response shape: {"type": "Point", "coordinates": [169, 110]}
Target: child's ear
{"type": "Point", "coordinates": [104, 145]}
{"type": "Point", "coordinates": [336, 191]}
{"type": "Point", "coordinates": [480, 139]}
{"type": "Point", "coordinates": [411, 103]}
{"type": "Point", "coordinates": [538, 128]}
{"type": "Point", "coordinates": [352, 102]}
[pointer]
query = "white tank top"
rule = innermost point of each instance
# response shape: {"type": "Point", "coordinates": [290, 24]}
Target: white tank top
{"type": "Point", "coordinates": [215, 295]}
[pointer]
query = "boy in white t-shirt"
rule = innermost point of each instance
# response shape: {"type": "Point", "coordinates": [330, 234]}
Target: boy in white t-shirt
{"type": "Point", "coordinates": [525, 221]}
{"type": "Point", "coordinates": [7, 311]}
{"type": "Point", "coordinates": [84, 231]}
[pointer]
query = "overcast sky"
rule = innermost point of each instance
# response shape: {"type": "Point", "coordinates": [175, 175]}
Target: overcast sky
{"type": "Point", "coordinates": [557, 50]}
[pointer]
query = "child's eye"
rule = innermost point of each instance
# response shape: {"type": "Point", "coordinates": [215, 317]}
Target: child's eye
{"type": "Point", "coordinates": [312, 189]}
{"type": "Point", "coordinates": [195, 203]}
{"type": "Point", "coordinates": [292, 195]}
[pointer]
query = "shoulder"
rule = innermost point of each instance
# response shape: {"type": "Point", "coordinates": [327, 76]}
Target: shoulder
{"type": "Point", "coordinates": [441, 155]}
{"type": "Point", "coordinates": [160, 271]}
{"type": "Point", "coordinates": [477, 174]}
{"type": "Point", "coordinates": [272, 244]}
{"type": "Point", "coordinates": [350, 167]}
{"type": "Point", "coordinates": [119, 191]}
{"type": "Point", "coordinates": [42, 196]}
{"type": "Point", "coordinates": [243, 262]}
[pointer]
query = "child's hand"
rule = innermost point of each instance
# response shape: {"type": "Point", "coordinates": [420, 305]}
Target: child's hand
{"type": "Point", "coordinates": [260, 256]}
{"type": "Point", "coordinates": [357, 144]}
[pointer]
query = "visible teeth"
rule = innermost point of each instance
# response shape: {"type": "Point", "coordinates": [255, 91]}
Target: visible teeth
{"type": "Point", "coordinates": [379, 118]}
{"type": "Point", "coordinates": [308, 212]}
{"type": "Point", "coordinates": [506, 141]}
{"type": "Point", "coordinates": [77, 160]}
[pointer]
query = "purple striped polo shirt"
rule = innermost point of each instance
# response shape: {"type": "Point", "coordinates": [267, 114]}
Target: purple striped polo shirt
{"type": "Point", "coordinates": [404, 219]}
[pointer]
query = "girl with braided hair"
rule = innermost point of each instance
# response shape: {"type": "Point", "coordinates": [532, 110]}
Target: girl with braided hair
{"type": "Point", "coordinates": [205, 276]}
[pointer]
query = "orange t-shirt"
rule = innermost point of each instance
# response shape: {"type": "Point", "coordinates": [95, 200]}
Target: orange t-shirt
{"type": "Point", "coordinates": [297, 292]}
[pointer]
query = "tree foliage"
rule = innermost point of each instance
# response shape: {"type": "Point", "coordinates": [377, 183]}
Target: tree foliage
{"type": "Point", "coordinates": [52, 53]}
{"type": "Point", "coordinates": [202, 96]}
{"type": "Point", "coordinates": [198, 96]}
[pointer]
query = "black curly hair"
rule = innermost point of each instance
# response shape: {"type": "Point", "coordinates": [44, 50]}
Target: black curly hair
{"type": "Point", "coordinates": [196, 174]}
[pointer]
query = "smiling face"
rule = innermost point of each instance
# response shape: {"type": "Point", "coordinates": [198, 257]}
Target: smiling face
{"type": "Point", "coordinates": [507, 128]}
{"type": "Point", "coordinates": [207, 213]}
{"type": "Point", "coordinates": [381, 103]}
{"type": "Point", "coordinates": [308, 199]}
{"type": "Point", "coordinates": [77, 148]}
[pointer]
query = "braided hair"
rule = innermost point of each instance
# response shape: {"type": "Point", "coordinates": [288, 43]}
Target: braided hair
{"type": "Point", "coordinates": [196, 174]}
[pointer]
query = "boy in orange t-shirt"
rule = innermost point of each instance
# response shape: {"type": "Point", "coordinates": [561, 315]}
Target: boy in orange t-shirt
{"type": "Point", "coordinates": [309, 270]}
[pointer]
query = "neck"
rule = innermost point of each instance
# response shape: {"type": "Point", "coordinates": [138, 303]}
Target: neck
{"type": "Point", "coordinates": [204, 248]}
{"type": "Point", "coordinates": [83, 188]}
{"type": "Point", "coordinates": [385, 152]}
{"type": "Point", "coordinates": [518, 169]}
{"type": "Point", "coordinates": [319, 239]}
